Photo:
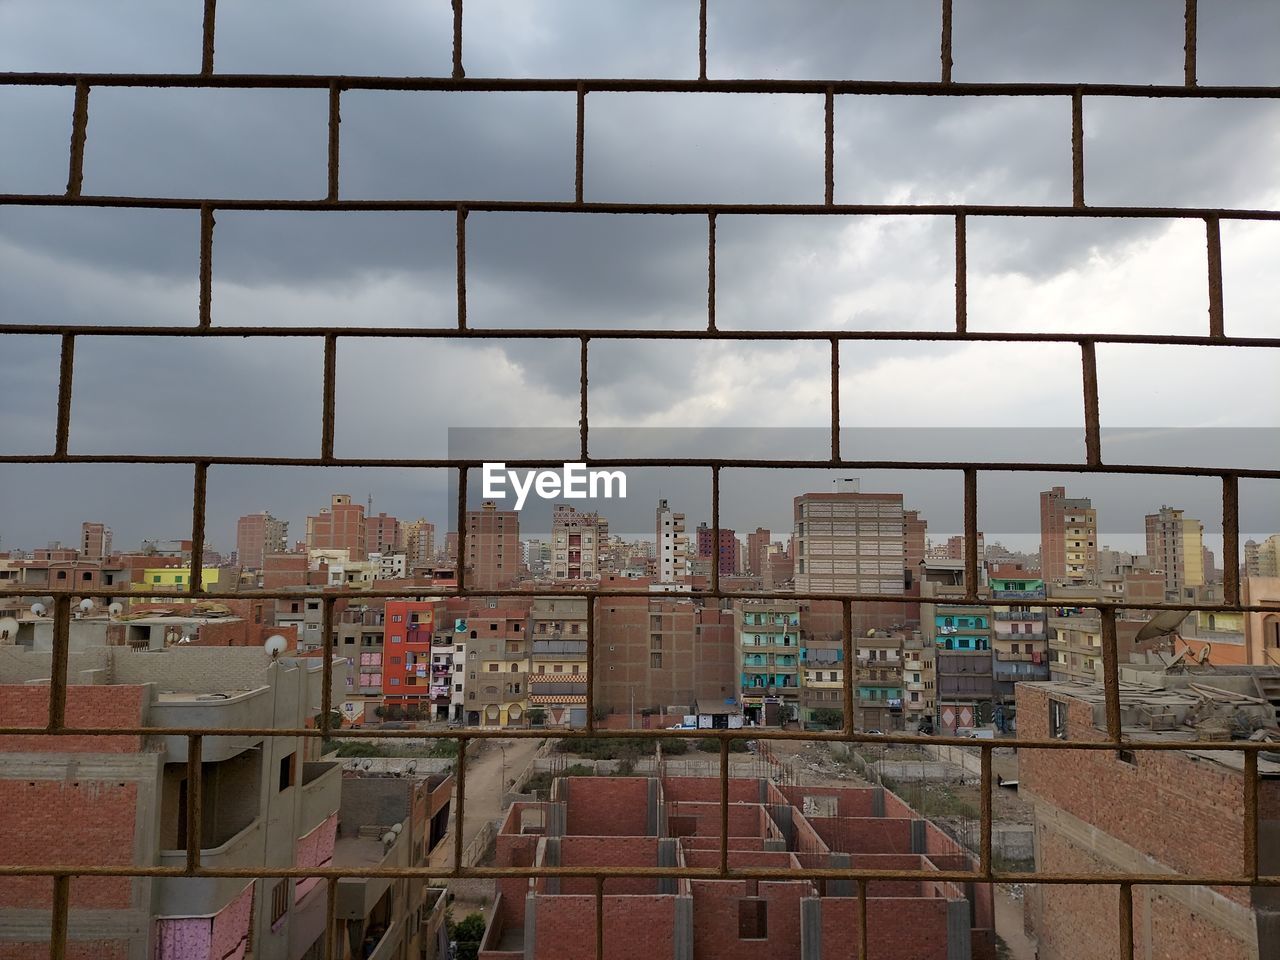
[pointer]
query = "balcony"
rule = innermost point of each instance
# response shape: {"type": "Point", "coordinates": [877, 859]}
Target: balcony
{"type": "Point", "coordinates": [1017, 594]}
{"type": "Point", "coordinates": [251, 709]}
{"type": "Point", "coordinates": [1019, 614]}
{"type": "Point", "coordinates": [205, 896]}
{"type": "Point", "coordinates": [915, 685]}
{"type": "Point", "coordinates": [321, 788]}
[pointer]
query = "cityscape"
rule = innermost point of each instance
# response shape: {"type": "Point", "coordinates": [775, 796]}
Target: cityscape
{"type": "Point", "coordinates": [666, 480]}
{"type": "Point", "coordinates": [1025, 657]}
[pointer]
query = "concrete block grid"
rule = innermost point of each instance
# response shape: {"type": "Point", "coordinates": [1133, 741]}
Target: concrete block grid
{"type": "Point", "coordinates": [639, 822]}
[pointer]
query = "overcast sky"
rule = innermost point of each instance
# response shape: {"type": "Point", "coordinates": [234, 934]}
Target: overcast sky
{"type": "Point", "coordinates": [400, 398]}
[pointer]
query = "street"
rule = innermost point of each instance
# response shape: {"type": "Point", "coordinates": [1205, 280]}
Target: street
{"type": "Point", "coordinates": [495, 762]}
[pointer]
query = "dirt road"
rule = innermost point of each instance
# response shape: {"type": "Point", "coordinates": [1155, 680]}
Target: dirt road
{"type": "Point", "coordinates": [496, 763]}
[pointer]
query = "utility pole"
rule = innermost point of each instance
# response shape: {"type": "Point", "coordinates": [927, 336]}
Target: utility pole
{"type": "Point", "coordinates": [633, 708]}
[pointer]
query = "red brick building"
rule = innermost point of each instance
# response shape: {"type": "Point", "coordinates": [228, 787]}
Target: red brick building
{"type": "Point", "coordinates": [257, 536]}
{"type": "Point", "coordinates": [339, 527]}
{"type": "Point", "coordinates": [727, 556]}
{"type": "Point", "coordinates": [493, 547]}
{"type": "Point", "coordinates": [382, 534]}
{"type": "Point", "coordinates": [675, 822]}
{"type": "Point", "coordinates": [1168, 811]}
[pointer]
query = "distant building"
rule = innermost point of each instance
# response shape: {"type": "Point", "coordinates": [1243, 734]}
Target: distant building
{"type": "Point", "coordinates": [769, 658]}
{"type": "Point", "coordinates": [1068, 538]}
{"type": "Point", "coordinates": [726, 556]}
{"type": "Point", "coordinates": [95, 541]}
{"type": "Point", "coordinates": [1175, 542]}
{"type": "Point", "coordinates": [577, 540]}
{"type": "Point", "coordinates": [849, 543]}
{"type": "Point", "coordinates": [493, 547]}
{"type": "Point", "coordinates": [672, 545]}
{"type": "Point", "coordinates": [339, 527]}
{"type": "Point", "coordinates": [757, 551]}
{"type": "Point", "coordinates": [419, 542]}
{"type": "Point", "coordinates": [382, 534]}
{"type": "Point", "coordinates": [257, 535]}
{"type": "Point", "coordinates": [1020, 638]}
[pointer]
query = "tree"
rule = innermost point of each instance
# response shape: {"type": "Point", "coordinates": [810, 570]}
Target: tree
{"type": "Point", "coordinates": [829, 718]}
{"type": "Point", "coordinates": [467, 934]}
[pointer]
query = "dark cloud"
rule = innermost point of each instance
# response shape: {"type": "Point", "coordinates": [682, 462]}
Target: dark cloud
{"type": "Point", "coordinates": [399, 398]}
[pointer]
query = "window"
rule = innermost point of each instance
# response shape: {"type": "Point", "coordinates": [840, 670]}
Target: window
{"type": "Point", "coordinates": [89, 576]}
{"type": "Point", "coordinates": [279, 901]}
{"type": "Point", "coordinates": [1057, 719]}
{"type": "Point", "coordinates": [493, 668]}
{"type": "Point", "coordinates": [655, 661]}
{"type": "Point", "coordinates": [288, 770]}
{"type": "Point", "coordinates": [753, 919]}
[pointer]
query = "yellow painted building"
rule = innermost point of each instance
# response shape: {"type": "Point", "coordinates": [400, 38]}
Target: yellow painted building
{"type": "Point", "coordinates": [166, 584]}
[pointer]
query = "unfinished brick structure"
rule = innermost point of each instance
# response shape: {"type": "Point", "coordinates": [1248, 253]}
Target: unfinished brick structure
{"type": "Point", "coordinates": [1153, 812]}
{"type": "Point", "coordinates": [594, 822]}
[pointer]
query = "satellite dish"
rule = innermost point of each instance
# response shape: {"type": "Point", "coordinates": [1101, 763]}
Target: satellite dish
{"type": "Point", "coordinates": [8, 631]}
{"type": "Point", "coordinates": [115, 609]}
{"type": "Point", "coordinates": [1161, 625]}
{"type": "Point", "coordinates": [276, 645]}
{"type": "Point", "coordinates": [86, 604]}
{"type": "Point", "coordinates": [38, 609]}
{"type": "Point", "coordinates": [397, 828]}
{"type": "Point", "coordinates": [389, 838]}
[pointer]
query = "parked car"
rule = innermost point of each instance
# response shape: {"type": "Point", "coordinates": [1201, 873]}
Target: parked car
{"type": "Point", "coordinates": [875, 733]}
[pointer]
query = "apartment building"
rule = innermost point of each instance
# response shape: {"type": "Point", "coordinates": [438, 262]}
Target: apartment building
{"type": "Point", "coordinates": [660, 656]}
{"type": "Point", "coordinates": [769, 660]}
{"type": "Point", "coordinates": [671, 545]}
{"type": "Point", "coordinates": [849, 542]}
{"type": "Point", "coordinates": [493, 547]}
{"type": "Point", "coordinates": [382, 534]}
{"type": "Point", "coordinates": [257, 536]}
{"type": "Point", "coordinates": [1068, 538]}
{"type": "Point", "coordinates": [558, 665]}
{"type": "Point", "coordinates": [577, 542]}
{"type": "Point", "coordinates": [340, 526]}
{"type": "Point", "coordinates": [962, 638]}
{"type": "Point", "coordinates": [95, 541]}
{"type": "Point", "coordinates": [758, 543]}
{"type": "Point", "coordinates": [418, 539]}
{"type": "Point", "coordinates": [726, 555]}
{"type": "Point", "coordinates": [497, 662]}
{"type": "Point", "coordinates": [822, 666]}
{"type": "Point", "coordinates": [642, 823]}
{"type": "Point", "coordinates": [388, 821]}
{"type": "Point", "coordinates": [1175, 543]}
{"type": "Point", "coordinates": [1019, 637]}
{"type": "Point", "coordinates": [878, 680]}
{"type": "Point", "coordinates": [407, 674]}
{"type": "Point", "coordinates": [919, 682]}
{"type": "Point", "coordinates": [120, 799]}
{"type": "Point", "coordinates": [1075, 643]}
{"type": "Point", "coordinates": [1151, 812]}
{"type": "Point", "coordinates": [358, 638]}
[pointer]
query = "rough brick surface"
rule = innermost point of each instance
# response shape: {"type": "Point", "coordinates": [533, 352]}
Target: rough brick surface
{"type": "Point", "coordinates": [897, 929]}
{"type": "Point", "coordinates": [68, 822]}
{"type": "Point", "coordinates": [27, 705]}
{"type": "Point", "coordinates": [612, 807]}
